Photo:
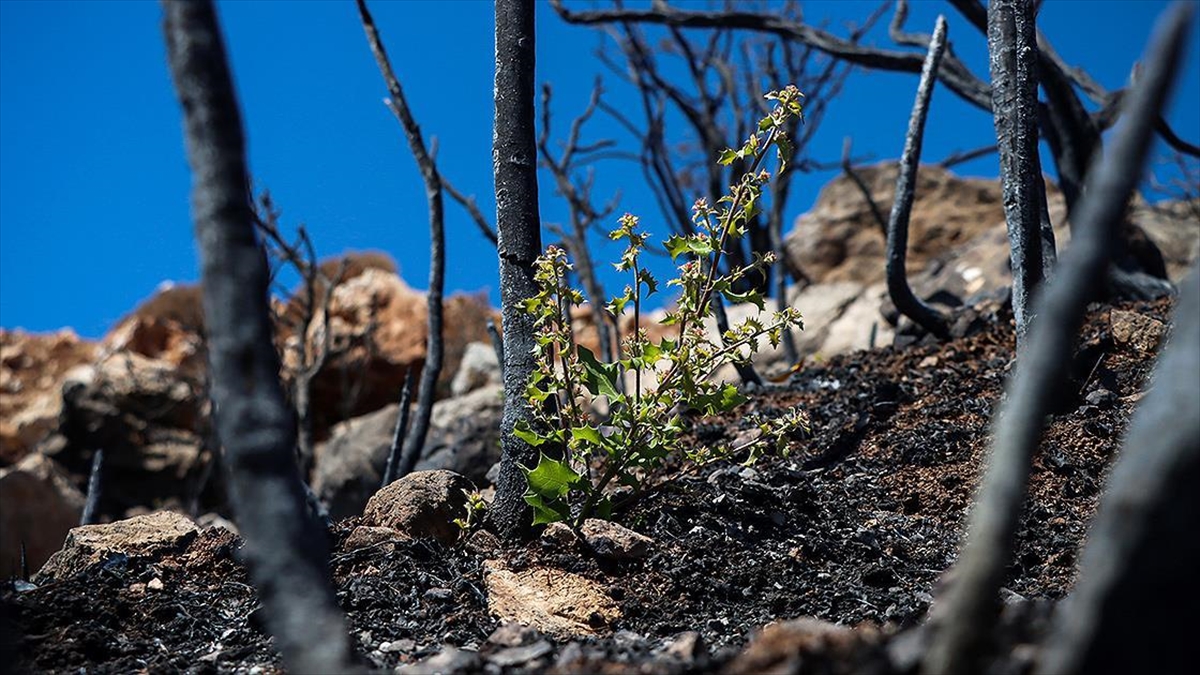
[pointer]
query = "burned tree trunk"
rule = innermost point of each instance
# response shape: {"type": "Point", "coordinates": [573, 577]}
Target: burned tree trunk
{"type": "Point", "coordinates": [1012, 49]}
{"type": "Point", "coordinates": [287, 551]}
{"type": "Point", "coordinates": [964, 619]}
{"type": "Point", "coordinates": [1143, 547]}
{"type": "Point", "coordinates": [518, 227]}
{"type": "Point", "coordinates": [897, 230]}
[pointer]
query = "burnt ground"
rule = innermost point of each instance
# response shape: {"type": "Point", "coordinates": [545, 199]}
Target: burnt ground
{"type": "Point", "coordinates": [855, 527]}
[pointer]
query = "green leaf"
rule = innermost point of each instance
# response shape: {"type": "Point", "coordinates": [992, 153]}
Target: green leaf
{"type": "Point", "coordinates": [525, 433]}
{"type": "Point", "coordinates": [599, 378]}
{"type": "Point", "coordinates": [551, 479]}
{"type": "Point", "coordinates": [589, 434]}
{"type": "Point", "coordinates": [676, 246]}
{"type": "Point", "coordinates": [546, 512]}
{"type": "Point", "coordinates": [727, 157]}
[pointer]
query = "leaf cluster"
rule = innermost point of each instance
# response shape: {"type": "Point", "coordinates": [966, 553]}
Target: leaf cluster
{"type": "Point", "coordinates": [597, 423]}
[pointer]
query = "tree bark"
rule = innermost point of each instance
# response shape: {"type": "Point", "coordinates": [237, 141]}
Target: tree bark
{"type": "Point", "coordinates": [964, 619]}
{"type": "Point", "coordinates": [897, 230]}
{"type": "Point", "coordinates": [286, 550]}
{"type": "Point", "coordinates": [1143, 546]}
{"type": "Point", "coordinates": [518, 228]}
{"type": "Point", "coordinates": [1012, 48]}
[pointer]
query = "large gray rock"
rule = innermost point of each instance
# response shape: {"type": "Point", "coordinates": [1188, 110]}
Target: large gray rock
{"type": "Point", "coordinates": [463, 437]}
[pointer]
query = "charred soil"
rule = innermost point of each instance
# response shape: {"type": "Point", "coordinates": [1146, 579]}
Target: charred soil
{"type": "Point", "coordinates": [854, 527]}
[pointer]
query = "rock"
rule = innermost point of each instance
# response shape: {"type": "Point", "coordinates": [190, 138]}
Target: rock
{"type": "Point", "coordinates": [150, 418]}
{"type": "Point", "coordinates": [515, 656]}
{"type": "Point", "coordinates": [686, 647]}
{"type": "Point", "coordinates": [422, 504]}
{"type": "Point", "coordinates": [168, 328]}
{"type": "Point", "coordinates": [614, 541]}
{"type": "Point", "coordinates": [559, 535]}
{"type": "Point", "coordinates": [839, 239]}
{"type": "Point", "coordinates": [464, 433]}
{"type": "Point", "coordinates": [560, 604]}
{"type": "Point", "coordinates": [1174, 226]}
{"type": "Point", "coordinates": [364, 536]}
{"type": "Point", "coordinates": [807, 645]}
{"type": "Point", "coordinates": [38, 506]}
{"type": "Point", "coordinates": [449, 660]}
{"type": "Point", "coordinates": [139, 536]}
{"type": "Point", "coordinates": [463, 437]}
{"type": "Point", "coordinates": [1101, 397]}
{"type": "Point", "coordinates": [378, 327]}
{"type": "Point", "coordinates": [479, 367]}
{"type": "Point", "coordinates": [513, 634]}
{"type": "Point", "coordinates": [1143, 333]}
{"type": "Point", "coordinates": [32, 368]}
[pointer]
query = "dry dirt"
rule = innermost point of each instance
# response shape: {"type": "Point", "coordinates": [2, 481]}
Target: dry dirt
{"type": "Point", "coordinates": [854, 527]}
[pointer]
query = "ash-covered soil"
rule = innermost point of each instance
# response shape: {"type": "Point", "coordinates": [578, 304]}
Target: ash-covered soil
{"type": "Point", "coordinates": [854, 527]}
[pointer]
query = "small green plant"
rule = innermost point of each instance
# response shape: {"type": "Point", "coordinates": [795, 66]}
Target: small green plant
{"type": "Point", "coordinates": [476, 507]}
{"type": "Point", "coordinates": [583, 452]}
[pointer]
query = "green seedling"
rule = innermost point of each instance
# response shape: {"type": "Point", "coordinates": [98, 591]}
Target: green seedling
{"type": "Point", "coordinates": [583, 453]}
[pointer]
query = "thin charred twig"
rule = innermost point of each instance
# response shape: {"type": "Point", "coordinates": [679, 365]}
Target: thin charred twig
{"type": "Point", "coordinates": [287, 553]}
{"type": "Point", "coordinates": [1012, 49]}
{"type": "Point", "coordinates": [472, 208]}
{"type": "Point", "coordinates": [415, 442]}
{"type": "Point", "coordinates": [849, 170]}
{"type": "Point", "coordinates": [963, 156]}
{"type": "Point", "coordinates": [581, 212]}
{"type": "Point", "coordinates": [301, 255]}
{"type": "Point", "coordinates": [955, 75]}
{"type": "Point", "coordinates": [91, 506]}
{"type": "Point", "coordinates": [518, 228]}
{"type": "Point", "coordinates": [965, 616]}
{"type": "Point", "coordinates": [391, 471]}
{"type": "Point", "coordinates": [897, 230]}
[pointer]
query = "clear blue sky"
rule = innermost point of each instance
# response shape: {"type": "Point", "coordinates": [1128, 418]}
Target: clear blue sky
{"type": "Point", "coordinates": [94, 183]}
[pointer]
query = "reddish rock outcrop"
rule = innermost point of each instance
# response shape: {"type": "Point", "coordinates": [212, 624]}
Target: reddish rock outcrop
{"type": "Point", "coordinates": [31, 373]}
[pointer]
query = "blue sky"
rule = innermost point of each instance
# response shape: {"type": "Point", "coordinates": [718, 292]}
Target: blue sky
{"type": "Point", "coordinates": [94, 183]}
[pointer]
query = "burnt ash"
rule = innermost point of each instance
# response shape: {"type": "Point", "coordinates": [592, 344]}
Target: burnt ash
{"type": "Point", "coordinates": [854, 527]}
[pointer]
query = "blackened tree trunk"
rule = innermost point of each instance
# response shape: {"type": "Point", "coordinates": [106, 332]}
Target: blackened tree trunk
{"type": "Point", "coordinates": [287, 551]}
{"type": "Point", "coordinates": [1143, 547]}
{"type": "Point", "coordinates": [964, 619]}
{"type": "Point", "coordinates": [1012, 48]}
{"type": "Point", "coordinates": [518, 228]}
{"type": "Point", "coordinates": [906, 185]}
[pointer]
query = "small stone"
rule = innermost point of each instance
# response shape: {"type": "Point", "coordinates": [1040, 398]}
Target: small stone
{"type": "Point", "coordinates": [365, 536]}
{"type": "Point", "coordinates": [930, 361]}
{"type": "Point", "coordinates": [515, 656]}
{"type": "Point", "coordinates": [614, 541]}
{"type": "Point", "coordinates": [402, 645]}
{"type": "Point", "coordinates": [513, 634]}
{"type": "Point", "coordinates": [449, 660]}
{"type": "Point", "coordinates": [154, 584]}
{"type": "Point", "coordinates": [482, 542]}
{"type": "Point", "coordinates": [558, 535]}
{"type": "Point", "coordinates": [1101, 398]}
{"type": "Point", "coordinates": [439, 595]}
{"type": "Point", "coordinates": [685, 647]}
{"type": "Point", "coordinates": [1141, 332]}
